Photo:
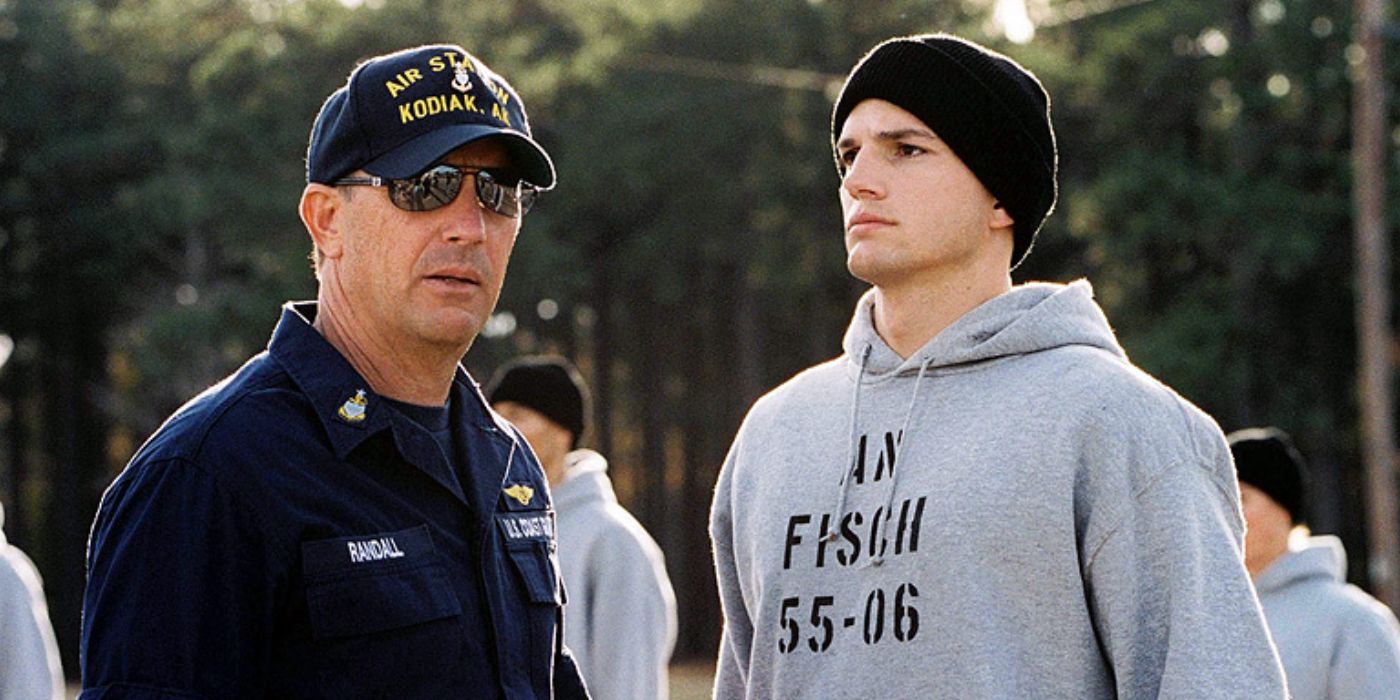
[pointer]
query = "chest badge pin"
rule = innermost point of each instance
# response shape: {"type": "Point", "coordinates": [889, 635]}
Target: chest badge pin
{"type": "Point", "coordinates": [353, 410]}
{"type": "Point", "coordinates": [522, 493]}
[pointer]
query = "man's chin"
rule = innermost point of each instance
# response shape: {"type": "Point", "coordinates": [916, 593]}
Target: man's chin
{"type": "Point", "coordinates": [452, 328]}
{"type": "Point", "coordinates": [864, 269]}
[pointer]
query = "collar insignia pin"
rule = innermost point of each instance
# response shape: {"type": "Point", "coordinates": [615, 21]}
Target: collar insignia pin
{"type": "Point", "coordinates": [353, 410]}
{"type": "Point", "coordinates": [522, 493]}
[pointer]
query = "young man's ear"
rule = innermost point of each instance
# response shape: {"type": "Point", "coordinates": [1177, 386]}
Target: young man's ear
{"type": "Point", "coordinates": [1001, 218]}
{"type": "Point", "coordinates": [320, 205]}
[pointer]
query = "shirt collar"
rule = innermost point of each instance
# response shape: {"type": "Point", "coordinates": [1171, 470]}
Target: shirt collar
{"type": "Point", "coordinates": [348, 408]}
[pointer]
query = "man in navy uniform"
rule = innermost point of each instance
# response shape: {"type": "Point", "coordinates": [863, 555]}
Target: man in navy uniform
{"type": "Point", "coordinates": [345, 516]}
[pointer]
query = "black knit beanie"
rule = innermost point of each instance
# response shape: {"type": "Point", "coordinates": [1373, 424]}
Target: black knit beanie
{"type": "Point", "coordinates": [993, 113]}
{"type": "Point", "coordinates": [551, 386]}
{"type": "Point", "coordinates": [1266, 459]}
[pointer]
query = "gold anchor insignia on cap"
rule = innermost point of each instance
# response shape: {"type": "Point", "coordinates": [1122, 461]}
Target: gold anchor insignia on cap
{"type": "Point", "coordinates": [461, 77]}
{"type": "Point", "coordinates": [521, 492]}
{"type": "Point", "coordinates": [353, 410]}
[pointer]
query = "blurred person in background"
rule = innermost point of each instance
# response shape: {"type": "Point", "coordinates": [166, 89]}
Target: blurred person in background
{"type": "Point", "coordinates": [1336, 642]}
{"type": "Point", "coordinates": [345, 516]}
{"type": "Point", "coordinates": [621, 617]}
{"type": "Point", "coordinates": [29, 663]}
{"type": "Point", "coordinates": [982, 497]}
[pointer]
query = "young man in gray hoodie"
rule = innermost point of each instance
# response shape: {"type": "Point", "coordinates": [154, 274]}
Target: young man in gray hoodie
{"type": "Point", "coordinates": [1336, 642]}
{"type": "Point", "coordinates": [621, 619]}
{"type": "Point", "coordinates": [982, 497]}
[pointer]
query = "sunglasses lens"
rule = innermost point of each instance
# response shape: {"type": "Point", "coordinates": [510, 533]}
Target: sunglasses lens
{"type": "Point", "coordinates": [491, 194]}
{"type": "Point", "coordinates": [439, 186]}
{"type": "Point", "coordinates": [512, 200]}
{"type": "Point", "coordinates": [434, 189]}
{"type": "Point", "coordinates": [526, 197]}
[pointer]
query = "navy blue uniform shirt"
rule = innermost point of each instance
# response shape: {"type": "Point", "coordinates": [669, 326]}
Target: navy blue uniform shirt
{"type": "Point", "coordinates": [288, 533]}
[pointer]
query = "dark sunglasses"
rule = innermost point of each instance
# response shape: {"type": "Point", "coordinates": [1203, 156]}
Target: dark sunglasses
{"type": "Point", "coordinates": [439, 186]}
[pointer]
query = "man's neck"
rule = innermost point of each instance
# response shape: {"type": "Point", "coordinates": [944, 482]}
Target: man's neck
{"type": "Point", "coordinates": [1258, 565]}
{"type": "Point", "coordinates": [394, 369]}
{"type": "Point", "coordinates": [556, 469]}
{"type": "Point", "coordinates": [908, 316]}
{"type": "Point", "coordinates": [1265, 551]}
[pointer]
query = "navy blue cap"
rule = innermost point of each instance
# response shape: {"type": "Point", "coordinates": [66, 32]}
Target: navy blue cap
{"type": "Point", "coordinates": [400, 113]}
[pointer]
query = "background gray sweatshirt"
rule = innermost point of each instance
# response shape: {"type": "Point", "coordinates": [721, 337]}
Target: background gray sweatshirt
{"type": "Point", "coordinates": [29, 665]}
{"type": "Point", "coordinates": [620, 622]}
{"type": "Point", "coordinates": [1336, 642]}
{"type": "Point", "coordinates": [1013, 512]}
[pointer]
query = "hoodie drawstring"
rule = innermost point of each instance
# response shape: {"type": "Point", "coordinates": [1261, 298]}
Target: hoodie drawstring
{"type": "Point", "coordinates": [878, 558]}
{"type": "Point", "coordinates": [850, 444]}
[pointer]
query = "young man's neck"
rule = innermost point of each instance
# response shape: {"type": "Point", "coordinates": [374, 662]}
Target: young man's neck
{"type": "Point", "coordinates": [393, 370]}
{"type": "Point", "coordinates": [907, 316]}
{"type": "Point", "coordinates": [1258, 563]}
{"type": "Point", "coordinates": [555, 469]}
{"type": "Point", "coordinates": [1262, 552]}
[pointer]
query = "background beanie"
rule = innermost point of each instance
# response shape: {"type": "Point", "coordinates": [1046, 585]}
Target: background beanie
{"type": "Point", "coordinates": [551, 386]}
{"type": "Point", "coordinates": [1266, 459]}
{"type": "Point", "coordinates": [993, 113]}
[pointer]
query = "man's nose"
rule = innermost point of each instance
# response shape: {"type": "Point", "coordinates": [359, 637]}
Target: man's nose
{"type": "Point", "coordinates": [862, 180]}
{"type": "Point", "coordinates": [466, 218]}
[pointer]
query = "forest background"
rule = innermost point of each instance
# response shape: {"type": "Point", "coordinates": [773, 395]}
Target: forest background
{"type": "Point", "coordinates": [152, 153]}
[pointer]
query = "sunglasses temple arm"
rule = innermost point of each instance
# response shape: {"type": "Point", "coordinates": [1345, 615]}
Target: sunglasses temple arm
{"type": "Point", "coordinates": [373, 181]}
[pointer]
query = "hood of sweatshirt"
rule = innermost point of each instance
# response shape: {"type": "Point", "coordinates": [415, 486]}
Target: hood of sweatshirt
{"type": "Point", "coordinates": [1321, 558]}
{"type": "Point", "coordinates": [1028, 318]}
{"type": "Point", "coordinates": [585, 479]}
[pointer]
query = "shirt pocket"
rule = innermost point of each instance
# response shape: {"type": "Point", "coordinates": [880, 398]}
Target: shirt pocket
{"type": "Point", "coordinates": [530, 545]}
{"type": "Point", "coordinates": [376, 582]}
{"type": "Point", "coordinates": [378, 605]}
{"type": "Point", "coordinates": [380, 600]}
{"type": "Point", "coordinates": [533, 563]}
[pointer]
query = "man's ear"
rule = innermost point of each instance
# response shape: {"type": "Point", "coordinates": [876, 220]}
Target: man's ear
{"type": "Point", "coordinates": [1001, 218]}
{"type": "Point", "coordinates": [321, 207]}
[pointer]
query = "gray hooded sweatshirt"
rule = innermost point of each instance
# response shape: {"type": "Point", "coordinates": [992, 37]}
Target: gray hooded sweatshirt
{"type": "Point", "coordinates": [1013, 512]}
{"type": "Point", "coordinates": [29, 663]}
{"type": "Point", "coordinates": [1336, 642]}
{"type": "Point", "coordinates": [620, 622]}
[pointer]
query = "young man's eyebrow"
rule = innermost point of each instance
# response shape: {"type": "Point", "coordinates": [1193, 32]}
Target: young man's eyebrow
{"type": "Point", "coordinates": [898, 134]}
{"type": "Point", "coordinates": [892, 135]}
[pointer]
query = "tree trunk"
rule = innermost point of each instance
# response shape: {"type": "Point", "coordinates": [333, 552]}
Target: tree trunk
{"type": "Point", "coordinates": [1373, 305]}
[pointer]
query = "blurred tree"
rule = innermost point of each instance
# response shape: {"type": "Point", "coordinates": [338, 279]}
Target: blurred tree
{"type": "Point", "coordinates": [1205, 184]}
{"type": "Point", "coordinates": [68, 257]}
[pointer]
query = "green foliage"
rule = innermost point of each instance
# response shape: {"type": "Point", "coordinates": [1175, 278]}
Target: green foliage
{"type": "Point", "coordinates": [1204, 199]}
